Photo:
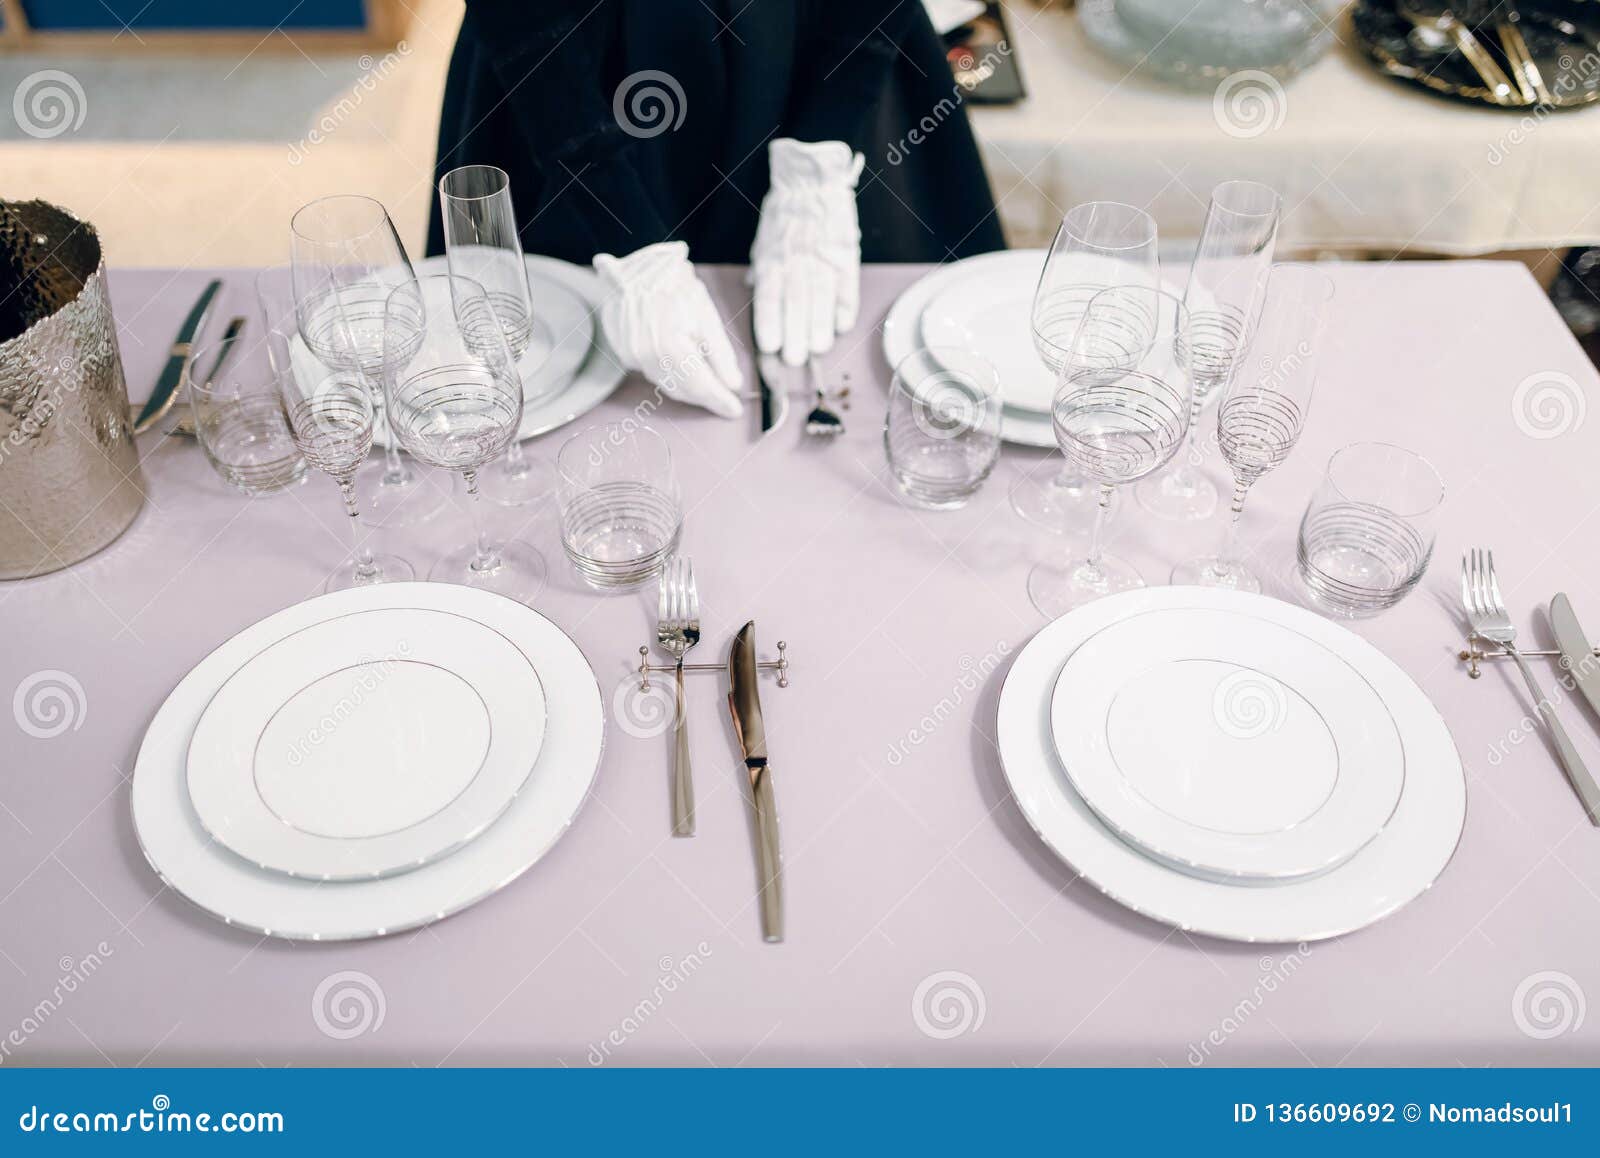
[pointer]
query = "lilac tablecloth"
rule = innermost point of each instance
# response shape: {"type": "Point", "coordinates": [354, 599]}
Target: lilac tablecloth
{"type": "Point", "coordinates": [927, 923]}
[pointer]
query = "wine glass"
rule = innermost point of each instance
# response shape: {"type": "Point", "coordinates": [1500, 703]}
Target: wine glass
{"type": "Point", "coordinates": [1121, 411]}
{"type": "Point", "coordinates": [346, 258]}
{"type": "Point", "coordinates": [1265, 408]}
{"type": "Point", "coordinates": [481, 242]}
{"type": "Point", "coordinates": [1099, 244]}
{"type": "Point", "coordinates": [1224, 294]}
{"type": "Point", "coordinates": [331, 416]}
{"type": "Point", "coordinates": [455, 402]}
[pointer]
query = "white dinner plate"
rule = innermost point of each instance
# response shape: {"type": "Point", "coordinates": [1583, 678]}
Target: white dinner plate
{"type": "Point", "coordinates": [582, 370]}
{"type": "Point", "coordinates": [902, 329]}
{"type": "Point", "coordinates": [230, 888]}
{"type": "Point", "coordinates": [990, 313]}
{"type": "Point", "coordinates": [1227, 744]}
{"type": "Point", "coordinates": [367, 744]}
{"type": "Point", "coordinates": [1391, 870]}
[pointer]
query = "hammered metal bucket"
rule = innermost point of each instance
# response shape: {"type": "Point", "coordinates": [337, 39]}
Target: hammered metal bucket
{"type": "Point", "coordinates": [69, 474]}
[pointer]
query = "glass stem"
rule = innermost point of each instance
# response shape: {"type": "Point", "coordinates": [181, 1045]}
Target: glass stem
{"type": "Point", "coordinates": [486, 558]}
{"type": "Point", "coordinates": [1191, 450]}
{"type": "Point", "coordinates": [366, 567]}
{"type": "Point", "coordinates": [516, 463]}
{"type": "Point", "coordinates": [394, 467]}
{"type": "Point", "coordinates": [1096, 547]}
{"type": "Point", "coordinates": [1230, 538]}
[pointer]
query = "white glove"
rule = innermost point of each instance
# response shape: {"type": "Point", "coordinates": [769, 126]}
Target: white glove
{"type": "Point", "coordinates": [806, 260]}
{"type": "Point", "coordinates": [660, 320]}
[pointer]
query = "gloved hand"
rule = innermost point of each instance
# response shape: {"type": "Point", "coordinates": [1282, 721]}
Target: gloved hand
{"type": "Point", "coordinates": [660, 320]}
{"type": "Point", "coordinates": [806, 260]}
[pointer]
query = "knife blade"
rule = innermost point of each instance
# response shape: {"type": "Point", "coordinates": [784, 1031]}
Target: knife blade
{"type": "Point", "coordinates": [744, 703]}
{"type": "Point", "coordinates": [166, 387]}
{"type": "Point", "coordinates": [769, 369]}
{"type": "Point", "coordinates": [1585, 669]}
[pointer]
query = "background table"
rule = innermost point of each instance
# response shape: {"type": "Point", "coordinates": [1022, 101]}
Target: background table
{"type": "Point", "coordinates": [1363, 160]}
{"type": "Point", "coordinates": [916, 889]}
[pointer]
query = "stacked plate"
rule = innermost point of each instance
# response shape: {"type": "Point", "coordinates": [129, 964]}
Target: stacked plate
{"type": "Point", "coordinates": [567, 369]}
{"type": "Point", "coordinates": [1230, 764]}
{"type": "Point", "coordinates": [368, 761]}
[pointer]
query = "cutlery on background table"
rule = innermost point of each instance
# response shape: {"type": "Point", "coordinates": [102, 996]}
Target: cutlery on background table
{"type": "Point", "coordinates": [1432, 17]}
{"type": "Point", "coordinates": [1486, 612]}
{"type": "Point", "coordinates": [165, 391]}
{"type": "Point", "coordinates": [678, 630]}
{"type": "Point", "coordinates": [744, 702]}
{"type": "Point", "coordinates": [183, 426]}
{"type": "Point", "coordinates": [1523, 68]}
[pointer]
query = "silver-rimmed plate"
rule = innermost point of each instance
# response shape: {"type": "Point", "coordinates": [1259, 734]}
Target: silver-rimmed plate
{"type": "Point", "coordinates": [367, 744]}
{"type": "Point", "coordinates": [233, 890]}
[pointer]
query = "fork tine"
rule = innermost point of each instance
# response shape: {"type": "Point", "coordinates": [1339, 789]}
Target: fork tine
{"type": "Point", "coordinates": [1494, 585]}
{"type": "Point", "coordinates": [663, 590]}
{"type": "Point", "coordinates": [676, 568]}
{"type": "Point", "coordinates": [694, 593]}
{"type": "Point", "coordinates": [1466, 586]}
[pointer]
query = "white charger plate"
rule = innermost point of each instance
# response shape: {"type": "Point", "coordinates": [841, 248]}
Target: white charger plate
{"type": "Point", "coordinates": [1227, 744]}
{"type": "Point", "coordinates": [582, 370]}
{"type": "Point", "coordinates": [1397, 865]}
{"type": "Point", "coordinates": [235, 891]}
{"type": "Point", "coordinates": [902, 329]}
{"type": "Point", "coordinates": [367, 744]}
{"type": "Point", "coordinates": [990, 313]}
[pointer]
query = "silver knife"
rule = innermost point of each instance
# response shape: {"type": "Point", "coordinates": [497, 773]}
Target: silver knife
{"type": "Point", "coordinates": [744, 701]}
{"type": "Point", "coordinates": [1585, 668]}
{"type": "Point", "coordinates": [165, 391]}
{"type": "Point", "coordinates": [771, 374]}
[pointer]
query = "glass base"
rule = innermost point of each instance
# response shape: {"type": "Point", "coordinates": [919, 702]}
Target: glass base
{"type": "Point", "coordinates": [1215, 571]}
{"type": "Point", "coordinates": [407, 501]}
{"type": "Point", "coordinates": [390, 569]}
{"type": "Point", "coordinates": [1057, 500]}
{"type": "Point", "coordinates": [517, 483]}
{"type": "Point", "coordinates": [519, 574]}
{"type": "Point", "coordinates": [1183, 495]}
{"type": "Point", "coordinates": [1056, 590]}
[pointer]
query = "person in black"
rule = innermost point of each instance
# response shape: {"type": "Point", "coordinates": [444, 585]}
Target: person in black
{"type": "Point", "coordinates": [768, 131]}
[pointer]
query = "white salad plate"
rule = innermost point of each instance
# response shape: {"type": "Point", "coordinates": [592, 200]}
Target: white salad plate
{"type": "Point", "coordinates": [902, 327]}
{"type": "Point", "coordinates": [581, 370]}
{"type": "Point", "coordinates": [367, 744]}
{"type": "Point", "coordinates": [1393, 868]}
{"type": "Point", "coordinates": [1227, 744]}
{"type": "Point", "coordinates": [229, 887]}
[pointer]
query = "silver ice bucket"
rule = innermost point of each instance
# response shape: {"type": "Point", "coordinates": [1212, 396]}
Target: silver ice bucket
{"type": "Point", "coordinates": [69, 474]}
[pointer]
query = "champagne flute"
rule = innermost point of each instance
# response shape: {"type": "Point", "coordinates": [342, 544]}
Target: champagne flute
{"type": "Point", "coordinates": [1099, 244]}
{"type": "Point", "coordinates": [330, 415]}
{"type": "Point", "coordinates": [455, 402]}
{"type": "Point", "coordinates": [1224, 294]}
{"type": "Point", "coordinates": [1121, 411]}
{"type": "Point", "coordinates": [1265, 408]}
{"type": "Point", "coordinates": [481, 242]}
{"type": "Point", "coordinates": [346, 258]}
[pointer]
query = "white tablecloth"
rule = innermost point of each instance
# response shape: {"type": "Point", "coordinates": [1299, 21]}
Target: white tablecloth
{"type": "Point", "coordinates": [1362, 160]}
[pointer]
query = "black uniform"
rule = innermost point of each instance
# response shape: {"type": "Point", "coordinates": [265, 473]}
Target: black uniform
{"type": "Point", "coordinates": [534, 88]}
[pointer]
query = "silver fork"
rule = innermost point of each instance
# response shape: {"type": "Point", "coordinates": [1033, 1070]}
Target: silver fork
{"type": "Point", "coordinates": [677, 630]}
{"type": "Point", "coordinates": [822, 421]}
{"type": "Point", "coordinates": [1486, 611]}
